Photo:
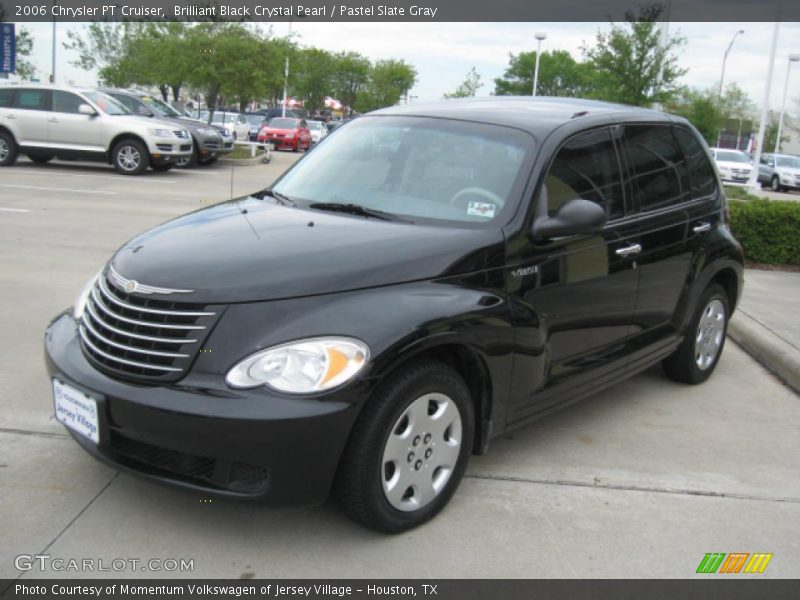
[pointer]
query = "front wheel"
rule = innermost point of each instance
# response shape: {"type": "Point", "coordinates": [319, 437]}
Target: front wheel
{"type": "Point", "coordinates": [775, 184]}
{"type": "Point", "coordinates": [130, 157]}
{"type": "Point", "coordinates": [408, 450]}
{"type": "Point", "coordinates": [698, 355]}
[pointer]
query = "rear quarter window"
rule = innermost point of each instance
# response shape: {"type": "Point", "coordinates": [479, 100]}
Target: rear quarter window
{"type": "Point", "coordinates": [5, 97]}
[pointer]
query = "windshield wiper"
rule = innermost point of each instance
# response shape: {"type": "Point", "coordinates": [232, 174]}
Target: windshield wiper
{"type": "Point", "coordinates": [356, 209]}
{"type": "Point", "coordinates": [285, 200]}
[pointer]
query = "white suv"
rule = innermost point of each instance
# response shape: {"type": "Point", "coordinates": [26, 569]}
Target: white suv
{"type": "Point", "coordinates": [44, 122]}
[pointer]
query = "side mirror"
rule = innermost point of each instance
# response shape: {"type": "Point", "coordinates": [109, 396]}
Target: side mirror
{"type": "Point", "coordinates": [145, 112]}
{"type": "Point", "coordinates": [575, 217]}
{"type": "Point", "coordinates": [85, 109]}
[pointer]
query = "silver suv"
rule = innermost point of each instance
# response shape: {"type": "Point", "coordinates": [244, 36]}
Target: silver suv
{"type": "Point", "coordinates": [45, 122]}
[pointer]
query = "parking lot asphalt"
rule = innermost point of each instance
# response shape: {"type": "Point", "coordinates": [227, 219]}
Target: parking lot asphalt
{"type": "Point", "coordinates": [639, 481]}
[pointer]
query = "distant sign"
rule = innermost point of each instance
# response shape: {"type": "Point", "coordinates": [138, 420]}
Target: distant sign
{"type": "Point", "coordinates": [8, 49]}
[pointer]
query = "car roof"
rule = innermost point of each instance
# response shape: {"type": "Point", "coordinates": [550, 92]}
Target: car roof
{"type": "Point", "coordinates": [538, 115]}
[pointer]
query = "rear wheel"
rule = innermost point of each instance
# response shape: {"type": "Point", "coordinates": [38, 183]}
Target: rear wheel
{"type": "Point", "coordinates": [775, 184]}
{"type": "Point", "coordinates": [696, 358]}
{"type": "Point", "coordinates": [130, 157]}
{"type": "Point", "coordinates": [408, 450]}
{"type": "Point", "coordinates": [41, 160]}
{"type": "Point", "coordinates": [8, 150]}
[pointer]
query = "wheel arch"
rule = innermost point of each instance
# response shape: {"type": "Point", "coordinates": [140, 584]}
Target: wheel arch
{"type": "Point", "coordinates": [124, 136]}
{"type": "Point", "coordinates": [4, 129]}
{"type": "Point", "coordinates": [469, 362]}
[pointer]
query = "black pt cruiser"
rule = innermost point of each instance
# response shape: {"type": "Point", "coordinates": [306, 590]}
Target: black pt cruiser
{"type": "Point", "coordinates": [427, 278]}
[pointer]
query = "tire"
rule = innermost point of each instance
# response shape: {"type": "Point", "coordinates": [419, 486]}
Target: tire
{"type": "Point", "coordinates": [696, 358]}
{"type": "Point", "coordinates": [130, 157]}
{"type": "Point", "coordinates": [162, 168]}
{"type": "Point", "coordinates": [395, 495]}
{"type": "Point", "coordinates": [41, 160]}
{"type": "Point", "coordinates": [207, 161]}
{"type": "Point", "coordinates": [8, 150]}
{"type": "Point", "coordinates": [775, 184]}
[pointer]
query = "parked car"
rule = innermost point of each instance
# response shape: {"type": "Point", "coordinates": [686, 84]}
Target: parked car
{"type": "Point", "coordinates": [46, 122]}
{"type": "Point", "coordinates": [732, 165]}
{"type": "Point", "coordinates": [426, 280]}
{"type": "Point", "coordinates": [235, 123]}
{"type": "Point", "coordinates": [210, 141]}
{"type": "Point", "coordinates": [256, 121]}
{"type": "Point", "coordinates": [318, 131]}
{"type": "Point", "coordinates": [292, 113]}
{"type": "Point", "coordinates": [781, 172]}
{"type": "Point", "coordinates": [291, 134]}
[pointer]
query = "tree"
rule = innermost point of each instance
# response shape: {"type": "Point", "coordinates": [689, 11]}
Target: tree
{"type": "Point", "coordinates": [314, 79]}
{"type": "Point", "coordinates": [351, 73]}
{"type": "Point", "coordinates": [469, 87]}
{"type": "Point", "coordinates": [702, 109]}
{"type": "Point", "coordinates": [103, 46]}
{"type": "Point", "coordinates": [559, 75]}
{"type": "Point", "coordinates": [388, 81]}
{"type": "Point", "coordinates": [23, 42]}
{"type": "Point", "coordinates": [771, 134]}
{"type": "Point", "coordinates": [629, 63]}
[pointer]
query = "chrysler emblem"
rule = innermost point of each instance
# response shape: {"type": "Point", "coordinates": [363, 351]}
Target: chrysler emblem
{"type": "Point", "coordinates": [131, 285]}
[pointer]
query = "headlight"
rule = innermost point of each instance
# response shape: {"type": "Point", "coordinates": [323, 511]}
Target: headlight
{"type": "Point", "coordinates": [302, 367]}
{"type": "Point", "coordinates": [80, 302]}
{"type": "Point", "coordinates": [160, 132]}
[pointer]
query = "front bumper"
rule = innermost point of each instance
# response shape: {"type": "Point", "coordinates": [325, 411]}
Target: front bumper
{"type": "Point", "coordinates": [213, 145]}
{"type": "Point", "coordinates": [202, 436]}
{"type": "Point", "coordinates": [280, 142]}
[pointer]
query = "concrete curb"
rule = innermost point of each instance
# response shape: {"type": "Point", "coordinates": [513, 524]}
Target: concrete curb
{"type": "Point", "coordinates": [766, 347]}
{"type": "Point", "coordinates": [241, 162]}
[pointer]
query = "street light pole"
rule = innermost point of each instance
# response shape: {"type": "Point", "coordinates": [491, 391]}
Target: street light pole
{"type": "Point", "coordinates": [53, 64]}
{"type": "Point", "coordinates": [286, 71]}
{"type": "Point", "coordinates": [752, 183]}
{"type": "Point", "coordinates": [539, 37]}
{"type": "Point", "coordinates": [792, 58]}
{"type": "Point", "coordinates": [725, 59]}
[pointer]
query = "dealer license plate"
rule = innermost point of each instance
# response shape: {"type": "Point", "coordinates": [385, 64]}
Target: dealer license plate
{"type": "Point", "coordinates": [76, 410]}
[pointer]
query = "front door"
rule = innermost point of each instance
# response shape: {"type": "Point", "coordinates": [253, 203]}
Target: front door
{"type": "Point", "coordinates": [574, 297]}
{"type": "Point", "coordinates": [68, 129]}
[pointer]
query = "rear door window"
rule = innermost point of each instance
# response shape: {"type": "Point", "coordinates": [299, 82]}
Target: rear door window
{"type": "Point", "coordinates": [701, 172]}
{"type": "Point", "coordinates": [660, 173]}
{"type": "Point", "coordinates": [586, 167]}
{"type": "Point", "coordinates": [30, 99]}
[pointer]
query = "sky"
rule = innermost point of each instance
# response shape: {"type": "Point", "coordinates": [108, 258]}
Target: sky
{"type": "Point", "coordinates": [443, 53]}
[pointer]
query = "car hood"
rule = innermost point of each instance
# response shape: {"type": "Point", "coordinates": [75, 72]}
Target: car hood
{"type": "Point", "coordinates": [278, 130]}
{"type": "Point", "coordinates": [788, 170]}
{"type": "Point", "coordinates": [137, 121]}
{"type": "Point", "coordinates": [733, 165]}
{"type": "Point", "coordinates": [251, 249]}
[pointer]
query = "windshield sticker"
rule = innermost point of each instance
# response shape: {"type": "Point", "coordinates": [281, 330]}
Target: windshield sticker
{"type": "Point", "coordinates": [481, 209]}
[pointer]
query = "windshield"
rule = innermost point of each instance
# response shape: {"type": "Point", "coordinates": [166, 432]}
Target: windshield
{"type": "Point", "coordinates": [793, 162]}
{"type": "Point", "coordinates": [159, 106]}
{"type": "Point", "coordinates": [228, 117]}
{"type": "Point", "coordinates": [254, 119]}
{"type": "Point", "coordinates": [280, 123]}
{"type": "Point", "coordinates": [106, 103]}
{"type": "Point", "coordinates": [413, 167]}
{"type": "Point", "coordinates": [737, 157]}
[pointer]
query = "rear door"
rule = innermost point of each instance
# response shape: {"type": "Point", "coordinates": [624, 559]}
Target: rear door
{"type": "Point", "coordinates": [27, 116]}
{"type": "Point", "coordinates": [70, 130]}
{"type": "Point", "coordinates": [575, 296]}
{"type": "Point", "coordinates": [660, 182]}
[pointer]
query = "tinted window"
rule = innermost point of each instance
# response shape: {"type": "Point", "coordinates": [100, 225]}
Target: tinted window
{"type": "Point", "coordinates": [660, 172]}
{"type": "Point", "coordinates": [5, 97]}
{"type": "Point", "coordinates": [703, 179]}
{"type": "Point", "coordinates": [586, 167]}
{"type": "Point", "coordinates": [132, 104]}
{"type": "Point", "coordinates": [64, 102]}
{"type": "Point", "coordinates": [31, 99]}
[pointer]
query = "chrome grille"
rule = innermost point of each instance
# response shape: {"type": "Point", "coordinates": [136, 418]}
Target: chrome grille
{"type": "Point", "coordinates": [142, 338]}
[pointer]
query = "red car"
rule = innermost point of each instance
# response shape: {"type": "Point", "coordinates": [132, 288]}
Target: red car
{"type": "Point", "coordinates": [285, 132]}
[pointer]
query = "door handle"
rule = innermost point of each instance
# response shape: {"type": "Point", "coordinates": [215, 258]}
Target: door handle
{"type": "Point", "coordinates": [11, 117]}
{"type": "Point", "coordinates": [629, 250]}
{"type": "Point", "coordinates": [53, 120]}
{"type": "Point", "coordinates": [702, 227]}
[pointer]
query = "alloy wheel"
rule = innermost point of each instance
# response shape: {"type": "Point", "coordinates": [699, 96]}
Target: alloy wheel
{"type": "Point", "coordinates": [4, 150]}
{"type": "Point", "coordinates": [129, 158]}
{"type": "Point", "coordinates": [421, 452]}
{"type": "Point", "coordinates": [710, 333]}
